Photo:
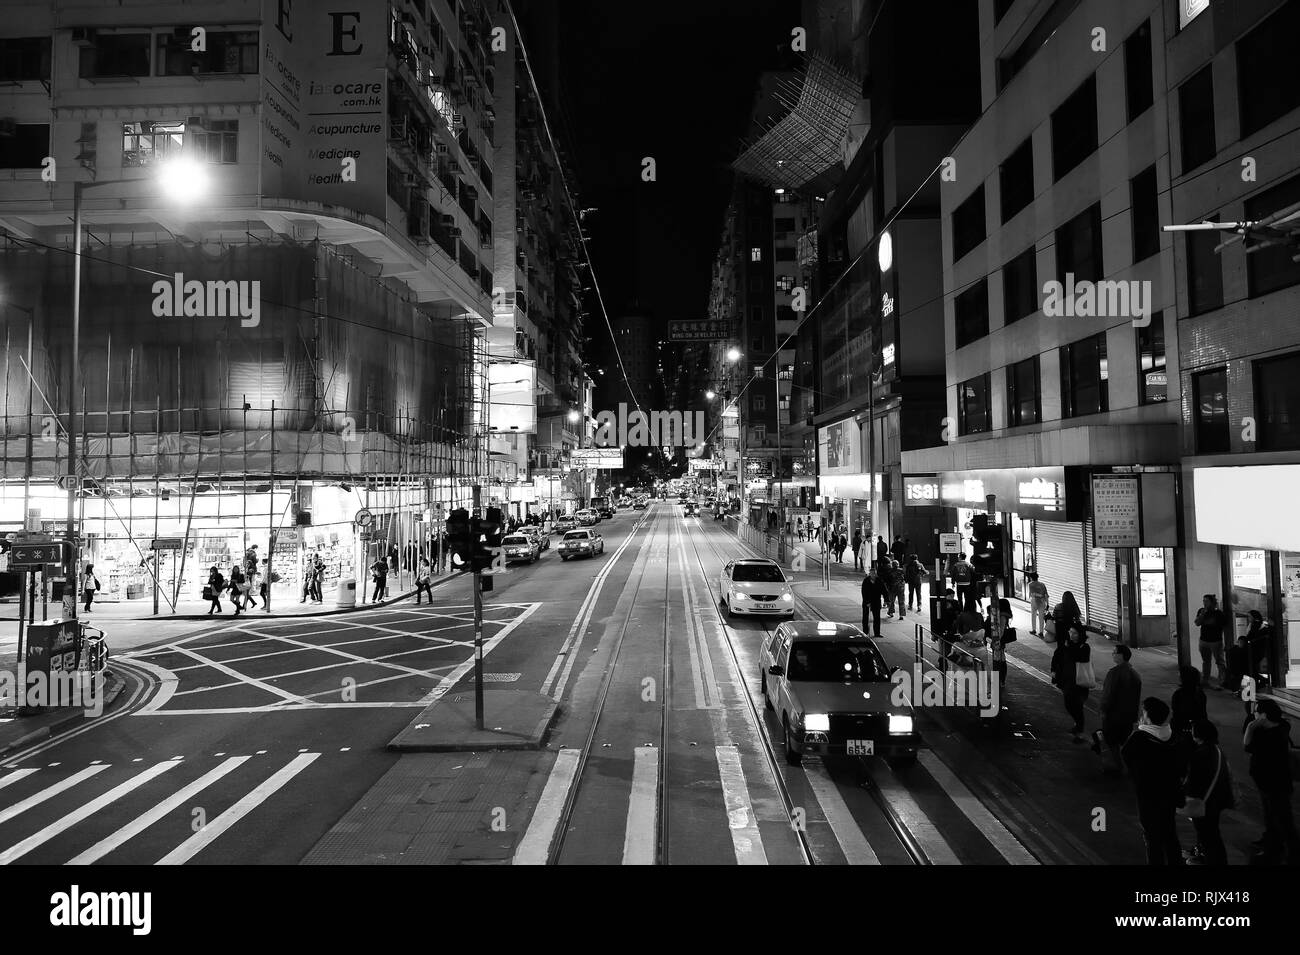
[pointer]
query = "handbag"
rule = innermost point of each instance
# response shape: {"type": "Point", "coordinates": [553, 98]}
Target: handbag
{"type": "Point", "coordinates": [1193, 806]}
{"type": "Point", "coordinates": [1084, 675]}
{"type": "Point", "coordinates": [1009, 636]}
{"type": "Point", "coordinates": [1049, 630]}
{"type": "Point", "coordinates": [207, 593]}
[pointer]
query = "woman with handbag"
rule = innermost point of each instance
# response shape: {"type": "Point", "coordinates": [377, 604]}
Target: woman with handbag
{"type": "Point", "coordinates": [1207, 791]}
{"type": "Point", "coordinates": [216, 584]}
{"type": "Point", "coordinates": [1073, 674]}
{"type": "Point", "coordinates": [89, 584]}
{"type": "Point", "coordinates": [423, 581]}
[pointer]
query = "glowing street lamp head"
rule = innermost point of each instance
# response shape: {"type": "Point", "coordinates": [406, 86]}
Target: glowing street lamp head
{"type": "Point", "coordinates": [733, 354]}
{"type": "Point", "coordinates": [710, 395]}
{"type": "Point", "coordinates": [183, 179]}
{"type": "Point", "coordinates": [574, 417]}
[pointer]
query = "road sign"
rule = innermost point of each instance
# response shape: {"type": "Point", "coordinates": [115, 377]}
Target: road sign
{"type": "Point", "coordinates": [363, 518]}
{"type": "Point", "coordinates": [950, 543]}
{"type": "Point", "coordinates": [34, 553]}
{"type": "Point", "coordinates": [168, 543]}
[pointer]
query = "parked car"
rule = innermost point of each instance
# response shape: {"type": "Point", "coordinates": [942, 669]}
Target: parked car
{"type": "Point", "coordinates": [813, 677]}
{"type": "Point", "coordinates": [581, 543]}
{"type": "Point", "coordinates": [607, 512]}
{"type": "Point", "coordinates": [587, 517]}
{"type": "Point", "coordinates": [755, 586]}
{"type": "Point", "coordinates": [541, 537]}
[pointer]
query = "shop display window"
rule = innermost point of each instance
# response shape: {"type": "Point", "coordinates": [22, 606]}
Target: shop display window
{"type": "Point", "coordinates": [1152, 600]}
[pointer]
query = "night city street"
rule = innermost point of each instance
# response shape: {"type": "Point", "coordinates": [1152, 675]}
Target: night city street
{"type": "Point", "coordinates": [577, 433]}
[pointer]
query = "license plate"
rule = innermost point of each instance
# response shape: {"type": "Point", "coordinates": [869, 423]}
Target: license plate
{"type": "Point", "coordinates": [767, 606]}
{"type": "Point", "coordinates": [860, 747]}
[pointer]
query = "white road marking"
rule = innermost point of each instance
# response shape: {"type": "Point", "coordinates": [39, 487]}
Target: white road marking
{"type": "Point", "coordinates": [49, 793]}
{"type": "Point", "coordinates": [641, 836]}
{"type": "Point", "coordinates": [149, 817]}
{"type": "Point", "coordinates": [455, 675]}
{"type": "Point", "coordinates": [535, 847]}
{"type": "Point", "coordinates": [209, 833]}
{"type": "Point", "coordinates": [20, 849]}
{"type": "Point", "coordinates": [1007, 845]}
{"type": "Point", "coordinates": [857, 850]}
{"type": "Point", "coordinates": [15, 776]}
{"type": "Point", "coordinates": [243, 677]}
{"type": "Point", "coordinates": [745, 838]}
{"type": "Point", "coordinates": [913, 818]}
{"type": "Point", "coordinates": [703, 678]}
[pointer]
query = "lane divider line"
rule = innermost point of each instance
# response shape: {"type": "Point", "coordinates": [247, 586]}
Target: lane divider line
{"type": "Point", "coordinates": [853, 843]}
{"type": "Point", "coordinates": [745, 837]}
{"type": "Point", "coordinates": [535, 847]}
{"type": "Point", "coordinates": [1008, 846]}
{"type": "Point", "coordinates": [641, 835]}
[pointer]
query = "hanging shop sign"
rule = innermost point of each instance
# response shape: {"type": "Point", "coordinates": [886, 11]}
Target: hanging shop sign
{"type": "Point", "coordinates": [167, 543]}
{"type": "Point", "coordinates": [1032, 493]}
{"type": "Point", "coordinates": [1116, 510]}
{"type": "Point", "coordinates": [950, 543]}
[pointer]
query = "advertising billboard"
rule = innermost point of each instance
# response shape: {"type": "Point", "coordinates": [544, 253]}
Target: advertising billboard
{"type": "Point", "coordinates": [596, 457]}
{"type": "Point", "coordinates": [839, 447]}
{"type": "Point", "coordinates": [512, 395]}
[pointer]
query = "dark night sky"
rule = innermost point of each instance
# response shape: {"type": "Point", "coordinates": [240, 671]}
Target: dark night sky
{"type": "Point", "coordinates": [672, 80]}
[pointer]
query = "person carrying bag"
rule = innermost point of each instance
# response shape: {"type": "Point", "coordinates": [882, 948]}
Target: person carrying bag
{"type": "Point", "coordinates": [1207, 792]}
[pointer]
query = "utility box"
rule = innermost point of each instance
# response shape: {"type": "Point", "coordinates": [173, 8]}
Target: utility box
{"type": "Point", "coordinates": [347, 595]}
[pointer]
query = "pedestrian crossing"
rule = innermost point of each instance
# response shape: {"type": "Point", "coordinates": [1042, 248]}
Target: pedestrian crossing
{"type": "Point", "coordinates": [850, 810]}
{"type": "Point", "coordinates": [167, 812]}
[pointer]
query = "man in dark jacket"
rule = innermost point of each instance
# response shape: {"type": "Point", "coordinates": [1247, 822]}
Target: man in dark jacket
{"type": "Point", "coordinates": [873, 595]}
{"type": "Point", "coordinates": [1268, 740]}
{"type": "Point", "coordinates": [882, 551]}
{"type": "Point", "coordinates": [1156, 770]}
{"type": "Point", "coordinates": [859, 556]}
{"type": "Point", "coordinates": [1121, 701]}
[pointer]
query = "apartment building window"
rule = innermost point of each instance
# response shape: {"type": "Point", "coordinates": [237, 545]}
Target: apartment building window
{"type": "Point", "coordinates": [758, 317]}
{"type": "Point", "coordinates": [973, 405]}
{"type": "Point", "coordinates": [1196, 119]}
{"type": "Point", "coordinates": [968, 224]}
{"type": "Point", "coordinates": [785, 283]}
{"type": "Point", "coordinates": [26, 147]}
{"type": "Point", "coordinates": [971, 311]}
{"type": "Point", "coordinates": [1085, 387]}
{"type": "Point", "coordinates": [1277, 402]}
{"type": "Point", "coordinates": [116, 54]}
{"type": "Point", "coordinates": [1153, 375]}
{"type": "Point", "coordinates": [758, 433]}
{"type": "Point", "coordinates": [758, 402]}
{"type": "Point", "coordinates": [1016, 180]}
{"type": "Point", "coordinates": [24, 58]}
{"type": "Point", "coordinates": [1074, 129]}
{"type": "Point", "coordinates": [783, 225]}
{"type": "Point", "coordinates": [1024, 400]}
{"type": "Point", "coordinates": [1078, 246]}
{"type": "Point", "coordinates": [756, 254]}
{"type": "Point", "coordinates": [1019, 287]}
{"type": "Point", "coordinates": [1271, 269]}
{"type": "Point", "coordinates": [1210, 412]}
{"type": "Point", "coordinates": [1266, 82]}
{"type": "Point", "coordinates": [216, 141]}
{"type": "Point", "coordinates": [228, 51]}
{"type": "Point", "coordinates": [756, 343]}
{"type": "Point", "coordinates": [149, 142]}
{"type": "Point", "coordinates": [1204, 271]}
{"type": "Point", "coordinates": [1137, 71]}
{"type": "Point", "coordinates": [1146, 214]}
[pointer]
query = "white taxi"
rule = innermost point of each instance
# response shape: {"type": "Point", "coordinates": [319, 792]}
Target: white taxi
{"type": "Point", "coordinates": [755, 586]}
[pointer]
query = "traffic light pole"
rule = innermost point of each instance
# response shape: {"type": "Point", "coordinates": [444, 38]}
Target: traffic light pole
{"type": "Point", "coordinates": [478, 623]}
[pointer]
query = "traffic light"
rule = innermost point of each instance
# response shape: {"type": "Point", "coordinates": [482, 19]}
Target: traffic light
{"type": "Point", "coordinates": [988, 547]}
{"type": "Point", "coordinates": [458, 539]}
{"type": "Point", "coordinates": [487, 534]}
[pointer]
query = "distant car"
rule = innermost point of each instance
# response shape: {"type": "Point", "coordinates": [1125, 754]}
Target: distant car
{"type": "Point", "coordinates": [521, 547]}
{"type": "Point", "coordinates": [639, 504]}
{"type": "Point", "coordinates": [606, 512]}
{"type": "Point", "coordinates": [755, 586]}
{"type": "Point", "coordinates": [542, 538]}
{"type": "Point", "coordinates": [565, 523]}
{"type": "Point", "coordinates": [832, 693]}
{"type": "Point", "coordinates": [587, 517]}
{"type": "Point", "coordinates": [581, 543]}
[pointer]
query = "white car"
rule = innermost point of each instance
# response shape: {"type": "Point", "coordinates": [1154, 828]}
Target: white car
{"type": "Point", "coordinates": [581, 543]}
{"type": "Point", "coordinates": [520, 547]}
{"type": "Point", "coordinates": [755, 586]}
{"type": "Point", "coordinates": [587, 517]}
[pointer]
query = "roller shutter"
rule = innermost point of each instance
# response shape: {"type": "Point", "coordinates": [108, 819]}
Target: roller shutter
{"type": "Point", "coordinates": [1058, 559]}
{"type": "Point", "coordinates": [1103, 592]}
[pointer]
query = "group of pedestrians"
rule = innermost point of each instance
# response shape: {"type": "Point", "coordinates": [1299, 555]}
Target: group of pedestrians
{"type": "Point", "coordinates": [246, 580]}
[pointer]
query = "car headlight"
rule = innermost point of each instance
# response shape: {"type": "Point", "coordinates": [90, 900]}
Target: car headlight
{"type": "Point", "coordinates": [817, 722]}
{"type": "Point", "coordinates": [900, 723]}
{"type": "Point", "coordinates": [788, 597]}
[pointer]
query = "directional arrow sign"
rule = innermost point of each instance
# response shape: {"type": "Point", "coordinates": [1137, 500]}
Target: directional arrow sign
{"type": "Point", "coordinates": [36, 553]}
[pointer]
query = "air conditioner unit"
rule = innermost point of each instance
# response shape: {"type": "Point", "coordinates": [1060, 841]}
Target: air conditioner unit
{"type": "Point", "coordinates": [83, 36]}
{"type": "Point", "coordinates": [449, 222]}
{"type": "Point", "coordinates": [193, 122]}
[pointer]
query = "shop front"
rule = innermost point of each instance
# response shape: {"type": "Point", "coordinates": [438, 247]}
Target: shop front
{"type": "Point", "coordinates": [1251, 515]}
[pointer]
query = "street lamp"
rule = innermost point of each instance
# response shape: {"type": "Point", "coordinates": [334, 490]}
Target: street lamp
{"type": "Point", "coordinates": [710, 395]}
{"type": "Point", "coordinates": [180, 180]}
{"type": "Point", "coordinates": [733, 354]}
{"type": "Point", "coordinates": [575, 416]}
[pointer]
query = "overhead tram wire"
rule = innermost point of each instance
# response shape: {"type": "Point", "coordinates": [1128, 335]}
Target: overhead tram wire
{"type": "Point", "coordinates": [573, 206]}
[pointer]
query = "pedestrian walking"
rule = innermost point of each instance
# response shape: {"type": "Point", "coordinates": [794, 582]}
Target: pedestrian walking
{"type": "Point", "coordinates": [379, 577]}
{"type": "Point", "coordinates": [1259, 638]}
{"type": "Point", "coordinates": [1121, 704]}
{"type": "Point", "coordinates": [858, 562]}
{"type": "Point", "coordinates": [212, 591]}
{"type": "Point", "coordinates": [1187, 705]}
{"type": "Point", "coordinates": [998, 632]}
{"type": "Point", "coordinates": [798, 527]}
{"type": "Point", "coordinates": [1039, 602]}
{"type": "Point", "coordinates": [1268, 740]}
{"type": "Point", "coordinates": [882, 550]}
{"type": "Point", "coordinates": [1154, 767]}
{"type": "Point", "coordinates": [251, 581]}
{"type": "Point", "coordinates": [898, 550]}
{"type": "Point", "coordinates": [237, 582]}
{"type": "Point", "coordinates": [1066, 615]}
{"type": "Point", "coordinates": [841, 544]}
{"type": "Point", "coordinates": [423, 580]}
{"type": "Point", "coordinates": [1212, 623]}
{"type": "Point", "coordinates": [873, 596]}
{"type": "Point", "coordinates": [1073, 675]}
{"type": "Point", "coordinates": [913, 573]}
{"type": "Point", "coordinates": [250, 560]}
{"type": "Point", "coordinates": [317, 579]}
{"type": "Point", "coordinates": [308, 571]}
{"type": "Point", "coordinates": [963, 579]}
{"type": "Point", "coordinates": [89, 586]}
{"type": "Point", "coordinates": [1207, 792]}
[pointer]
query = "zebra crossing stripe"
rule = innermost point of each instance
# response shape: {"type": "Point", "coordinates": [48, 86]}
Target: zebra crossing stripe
{"type": "Point", "coordinates": [61, 786]}
{"type": "Point", "coordinates": [15, 776]}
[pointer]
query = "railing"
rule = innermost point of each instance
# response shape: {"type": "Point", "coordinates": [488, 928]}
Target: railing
{"type": "Point", "coordinates": [771, 545]}
{"type": "Point", "coordinates": [94, 658]}
{"type": "Point", "coordinates": [963, 665]}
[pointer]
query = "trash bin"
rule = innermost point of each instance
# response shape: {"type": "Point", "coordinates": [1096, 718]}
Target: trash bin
{"type": "Point", "coordinates": [347, 595]}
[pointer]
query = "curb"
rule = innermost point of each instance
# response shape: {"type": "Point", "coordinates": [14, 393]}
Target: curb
{"type": "Point", "coordinates": [507, 742]}
{"type": "Point", "coordinates": [61, 723]}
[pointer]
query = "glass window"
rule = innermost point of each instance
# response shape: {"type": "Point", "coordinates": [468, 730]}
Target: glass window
{"type": "Point", "coordinates": [1153, 375]}
{"type": "Point", "coordinates": [1210, 391]}
{"type": "Point", "coordinates": [1204, 270]}
{"type": "Point", "coordinates": [1248, 578]}
{"type": "Point", "coordinates": [1020, 287]}
{"type": "Point", "coordinates": [1084, 378]}
{"type": "Point", "coordinates": [216, 141]}
{"type": "Point", "coordinates": [756, 254]}
{"type": "Point", "coordinates": [1016, 180]}
{"type": "Point", "coordinates": [1146, 214]}
{"type": "Point", "coordinates": [968, 224]}
{"type": "Point", "coordinates": [1277, 402]}
{"type": "Point", "coordinates": [1022, 554]}
{"type": "Point", "coordinates": [1272, 268]}
{"type": "Point", "coordinates": [1267, 87]}
{"type": "Point", "coordinates": [1289, 639]}
{"type": "Point", "coordinates": [1023, 399]}
{"type": "Point", "coordinates": [971, 312]}
{"type": "Point", "coordinates": [26, 147]}
{"type": "Point", "coordinates": [1078, 247]}
{"type": "Point", "coordinates": [149, 142]}
{"type": "Point", "coordinates": [973, 405]}
{"type": "Point", "coordinates": [1196, 119]}
{"type": "Point", "coordinates": [1137, 71]}
{"type": "Point", "coordinates": [116, 54]}
{"type": "Point", "coordinates": [1074, 129]}
{"type": "Point", "coordinates": [25, 58]}
{"type": "Point", "coordinates": [1151, 582]}
{"type": "Point", "coordinates": [227, 52]}
{"type": "Point", "coordinates": [836, 661]}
